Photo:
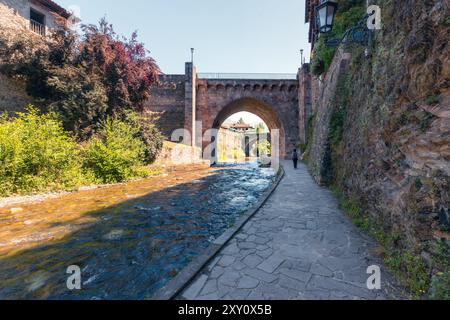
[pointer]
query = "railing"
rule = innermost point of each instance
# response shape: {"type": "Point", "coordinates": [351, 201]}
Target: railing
{"type": "Point", "coordinates": [248, 76]}
{"type": "Point", "coordinates": [37, 27]}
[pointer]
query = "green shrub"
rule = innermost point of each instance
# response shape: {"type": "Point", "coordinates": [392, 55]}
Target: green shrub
{"type": "Point", "coordinates": [151, 137]}
{"type": "Point", "coordinates": [411, 269]}
{"type": "Point", "coordinates": [115, 154]}
{"type": "Point", "coordinates": [441, 286]}
{"type": "Point", "coordinates": [153, 141]}
{"type": "Point", "coordinates": [36, 154]}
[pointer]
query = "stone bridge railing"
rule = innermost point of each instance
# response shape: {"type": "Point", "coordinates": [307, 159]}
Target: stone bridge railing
{"type": "Point", "coordinates": [247, 76]}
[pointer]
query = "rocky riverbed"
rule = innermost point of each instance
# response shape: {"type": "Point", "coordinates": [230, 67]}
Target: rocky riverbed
{"type": "Point", "coordinates": [128, 240]}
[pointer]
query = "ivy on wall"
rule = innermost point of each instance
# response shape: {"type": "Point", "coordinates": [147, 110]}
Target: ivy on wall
{"type": "Point", "coordinates": [349, 13]}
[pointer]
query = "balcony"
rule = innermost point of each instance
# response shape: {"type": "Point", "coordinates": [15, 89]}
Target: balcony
{"type": "Point", "coordinates": [37, 27]}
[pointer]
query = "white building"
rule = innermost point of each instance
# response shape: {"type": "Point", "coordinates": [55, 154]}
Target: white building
{"type": "Point", "coordinates": [36, 16]}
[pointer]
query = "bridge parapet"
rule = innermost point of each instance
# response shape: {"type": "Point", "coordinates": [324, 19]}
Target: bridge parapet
{"type": "Point", "coordinates": [249, 85]}
{"type": "Point", "coordinates": [247, 76]}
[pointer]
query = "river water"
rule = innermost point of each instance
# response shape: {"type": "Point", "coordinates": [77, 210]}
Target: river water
{"type": "Point", "coordinates": [128, 240]}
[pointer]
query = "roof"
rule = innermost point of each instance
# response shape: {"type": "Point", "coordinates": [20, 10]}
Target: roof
{"type": "Point", "coordinates": [241, 126]}
{"type": "Point", "coordinates": [307, 5]}
{"type": "Point", "coordinates": [53, 6]}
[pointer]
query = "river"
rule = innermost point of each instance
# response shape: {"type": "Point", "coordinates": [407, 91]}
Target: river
{"type": "Point", "coordinates": [129, 240]}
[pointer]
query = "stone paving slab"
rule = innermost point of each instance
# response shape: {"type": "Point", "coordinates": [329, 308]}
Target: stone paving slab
{"type": "Point", "coordinates": [299, 245]}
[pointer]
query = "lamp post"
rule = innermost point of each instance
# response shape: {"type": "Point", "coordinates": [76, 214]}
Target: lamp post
{"type": "Point", "coordinates": [325, 14]}
{"type": "Point", "coordinates": [301, 57]}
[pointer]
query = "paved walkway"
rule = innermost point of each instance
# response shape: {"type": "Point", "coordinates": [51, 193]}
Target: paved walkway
{"type": "Point", "coordinates": [298, 246]}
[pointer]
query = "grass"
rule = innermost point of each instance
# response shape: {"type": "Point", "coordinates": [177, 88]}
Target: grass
{"type": "Point", "coordinates": [407, 265]}
{"type": "Point", "coordinates": [440, 285]}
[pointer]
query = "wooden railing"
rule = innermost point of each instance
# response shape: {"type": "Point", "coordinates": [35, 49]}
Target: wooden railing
{"type": "Point", "coordinates": [37, 27]}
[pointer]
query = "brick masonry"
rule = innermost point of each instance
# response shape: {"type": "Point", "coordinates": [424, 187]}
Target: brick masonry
{"type": "Point", "coordinates": [166, 106]}
{"type": "Point", "coordinates": [181, 98]}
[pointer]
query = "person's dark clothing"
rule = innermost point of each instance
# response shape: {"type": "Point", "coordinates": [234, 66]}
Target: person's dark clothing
{"type": "Point", "coordinates": [295, 159]}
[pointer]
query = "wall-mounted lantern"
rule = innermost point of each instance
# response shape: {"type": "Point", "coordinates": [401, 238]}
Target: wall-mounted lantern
{"type": "Point", "coordinates": [325, 14]}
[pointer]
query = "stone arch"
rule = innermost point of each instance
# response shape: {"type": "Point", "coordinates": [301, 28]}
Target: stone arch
{"type": "Point", "coordinates": [258, 107]}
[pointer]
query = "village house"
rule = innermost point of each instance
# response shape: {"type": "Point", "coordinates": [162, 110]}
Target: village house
{"type": "Point", "coordinates": [36, 16]}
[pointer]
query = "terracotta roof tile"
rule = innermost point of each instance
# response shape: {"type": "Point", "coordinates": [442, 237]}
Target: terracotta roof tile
{"type": "Point", "coordinates": [55, 7]}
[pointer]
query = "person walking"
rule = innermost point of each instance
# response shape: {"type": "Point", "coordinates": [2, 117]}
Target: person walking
{"type": "Point", "coordinates": [295, 158]}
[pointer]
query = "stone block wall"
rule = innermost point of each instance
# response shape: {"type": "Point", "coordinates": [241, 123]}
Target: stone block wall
{"type": "Point", "coordinates": [166, 105]}
{"type": "Point", "coordinates": [392, 153]}
{"type": "Point", "coordinates": [304, 101]}
{"type": "Point", "coordinates": [324, 96]}
{"type": "Point", "coordinates": [13, 97]}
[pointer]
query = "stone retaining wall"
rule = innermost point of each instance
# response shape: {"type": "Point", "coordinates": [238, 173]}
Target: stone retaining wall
{"type": "Point", "coordinates": [174, 154]}
{"type": "Point", "coordinates": [319, 154]}
{"type": "Point", "coordinates": [13, 97]}
{"type": "Point", "coordinates": [391, 152]}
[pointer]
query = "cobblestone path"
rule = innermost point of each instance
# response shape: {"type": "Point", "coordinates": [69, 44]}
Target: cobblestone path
{"type": "Point", "coordinates": [298, 246]}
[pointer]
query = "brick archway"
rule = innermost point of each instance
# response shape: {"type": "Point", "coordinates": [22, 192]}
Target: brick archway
{"type": "Point", "coordinates": [200, 103]}
{"type": "Point", "coordinates": [266, 112]}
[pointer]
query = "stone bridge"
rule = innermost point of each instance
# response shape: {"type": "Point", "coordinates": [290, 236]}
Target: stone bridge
{"type": "Point", "coordinates": [201, 102]}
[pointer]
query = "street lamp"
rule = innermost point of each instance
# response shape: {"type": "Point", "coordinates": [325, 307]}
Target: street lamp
{"type": "Point", "coordinates": [360, 33]}
{"type": "Point", "coordinates": [325, 14]}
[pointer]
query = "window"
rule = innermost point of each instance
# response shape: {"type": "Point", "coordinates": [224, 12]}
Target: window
{"type": "Point", "coordinates": [37, 22]}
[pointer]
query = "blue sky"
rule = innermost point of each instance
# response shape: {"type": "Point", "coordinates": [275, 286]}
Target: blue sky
{"type": "Point", "coordinates": [254, 36]}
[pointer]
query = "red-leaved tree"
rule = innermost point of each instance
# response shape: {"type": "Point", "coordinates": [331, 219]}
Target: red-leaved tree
{"type": "Point", "coordinates": [128, 72]}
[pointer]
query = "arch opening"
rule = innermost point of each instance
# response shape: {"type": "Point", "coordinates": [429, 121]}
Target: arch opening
{"type": "Point", "coordinates": [274, 131]}
{"type": "Point", "coordinates": [243, 137]}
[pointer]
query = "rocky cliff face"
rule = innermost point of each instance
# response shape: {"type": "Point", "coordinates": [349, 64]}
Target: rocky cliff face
{"type": "Point", "coordinates": [383, 137]}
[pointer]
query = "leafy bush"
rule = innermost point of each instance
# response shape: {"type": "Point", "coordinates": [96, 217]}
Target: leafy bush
{"type": "Point", "coordinates": [441, 286]}
{"type": "Point", "coordinates": [410, 268]}
{"type": "Point", "coordinates": [80, 99]}
{"type": "Point", "coordinates": [115, 154]}
{"type": "Point", "coordinates": [36, 154]}
{"type": "Point", "coordinates": [153, 141]}
{"type": "Point", "coordinates": [148, 133]}
{"type": "Point", "coordinates": [84, 78]}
